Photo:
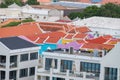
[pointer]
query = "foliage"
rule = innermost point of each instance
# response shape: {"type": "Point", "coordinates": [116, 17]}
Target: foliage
{"type": "Point", "coordinates": [107, 10]}
{"type": "Point", "coordinates": [19, 2]}
{"type": "Point", "coordinates": [28, 20]}
{"type": "Point", "coordinates": [17, 23]}
{"type": "Point", "coordinates": [9, 2]}
{"type": "Point", "coordinates": [32, 2]}
{"type": "Point", "coordinates": [11, 24]}
{"type": "Point", "coordinates": [3, 5]}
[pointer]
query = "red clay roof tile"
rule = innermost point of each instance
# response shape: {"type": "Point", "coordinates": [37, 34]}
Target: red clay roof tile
{"type": "Point", "coordinates": [80, 36]}
{"type": "Point", "coordinates": [81, 41]}
{"type": "Point", "coordinates": [69, 36]}
{"type": "Point", "coordinates": [83, 29]}
{"type": "Point", "coordinates": [52, 39]}
{"type": "Point", "coordinates": [54, 26]}
{"type": "Point", "coordinates": [41, 38]}
{"type": "Point", "coordinates": [97, 46]}
{"type": "Point", "coordinates": [99, 40]}
{"type": "Point", "coordinates": [30, 29]}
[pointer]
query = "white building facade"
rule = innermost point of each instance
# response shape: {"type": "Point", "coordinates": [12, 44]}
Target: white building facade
{"type": "Point", "coordinates": [18, 61]}
{"type": "Point", "coordinates": [63, 65]}
{"type": "Point", "coordinates": [15, 11]}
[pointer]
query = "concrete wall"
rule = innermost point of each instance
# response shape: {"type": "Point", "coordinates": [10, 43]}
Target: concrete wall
{"type": "Point", "coordinates": [3, 49]}
{"type": "Point", "coordinates": [10, 13]}
{"type": "Point", "coordinates": [27, 78]}
{"type": "Point", "coordinates": [55, 12]}
{"type": "Point", "coordinates": [68, 57]}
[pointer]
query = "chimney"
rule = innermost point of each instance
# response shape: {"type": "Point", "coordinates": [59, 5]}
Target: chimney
{"type": "Point", "coordinates": [71, 50]}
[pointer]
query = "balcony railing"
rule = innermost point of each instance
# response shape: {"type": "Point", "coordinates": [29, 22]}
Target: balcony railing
{"type": "Point", "coordinates": [12, 79]}
{"type": "Point", "coordinates": [13, 64]}
{"type": "Point", "coordinates": [2, 65]}
{"type": "Point", "coordinates": [71, 75]}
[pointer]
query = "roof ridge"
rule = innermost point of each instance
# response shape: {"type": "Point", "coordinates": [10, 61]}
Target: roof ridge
{"type": "Point", "coordinates": [40, 28]}
{"type": "Point", "coordinates": [46, 39]}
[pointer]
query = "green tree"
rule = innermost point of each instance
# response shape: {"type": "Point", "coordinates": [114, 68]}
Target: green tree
{"type": "Point", "coordinates": [107, 10]}
{"type": "Point", "coordinates": [19, 2]}
{"type": "Point", "coordinates": [91, 11]}
{"type": "Point", "coordinates": [32, 2]}
{"type": "Point", "coordinates": [3, 5]}
{"type": "Point", "coordinates": [110, 10]}
{"type": "Point", "coordinates": [9, 2]}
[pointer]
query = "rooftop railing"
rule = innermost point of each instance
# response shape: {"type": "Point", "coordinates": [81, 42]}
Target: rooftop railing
{"type": "Point", "coordinates": [70, 74]}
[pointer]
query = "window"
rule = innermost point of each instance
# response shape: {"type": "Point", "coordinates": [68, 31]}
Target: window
{"type": "Point", "coordinates": [110, 74]}
{"type": "Point", "coordinates": [23, 72]}
{"type": "Point", "coordinates": [90, 67]}
{"type": "Point", "coordinates": [2, 75]}
{"type": "Point", "coordinates": [34, 56]}
{"type": "Point", "coordinates": [66, 64]}
{"type": "Point", "coordinates": [12, 75]}
{"type": "Point", "coordinates": [32, 71]}
{"type": "Point", "coordinates": [48, 63]}
{"type": "Point", "coordinates": [2, 59]}
{"type": "Point", "coordinates": [13, 58]}
{"type": "Point", "coordinates": [24, 57]}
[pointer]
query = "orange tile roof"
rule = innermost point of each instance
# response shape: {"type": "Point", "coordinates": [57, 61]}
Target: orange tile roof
{"type": "Point", "coordinates": [28, 29]}
{"type": "Point", "coordinates": [51, 28]}
{"type": "Point", "coordinates": [118, 40]}
{"type": "Point", "coordinates": [80, 36]}
{"type": "Point", "coordinates": [107, 36]}
{"type": "Point", "coordinates": [52, 39]}
{"type": "Point", "coordinates": [73, 30]}
{"type": "Point", "coordinates": [81, 41]}
{"type": "Point", "coordinates": [41, 38]}
{"type": "Point", "coordinates": [97, 46]}
{"type": "Point", "coordinates": [69, 36]}
{"type": "Point", "coordinates": [99, 40]}
{"type": "Point", "coordinates": [56, 34]}
{"type": "Point", "coordinates": [83, 29]}
{"type": "Point", "coordinates": [113, 41]}
{"type": "Point", "coordinates": [54, 26]}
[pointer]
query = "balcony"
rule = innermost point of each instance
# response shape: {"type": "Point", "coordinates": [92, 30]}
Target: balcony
{"type": "Point", "coordinates": [13, 61]}
{"type": "Point", "coordinates": [13, 65]}
{"type": "Point", "coordinates": [2, 61]}
{"type": "Point", "coordinates": [2, 65]}
{"type": "Point", "coordinates": [67, 74]}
